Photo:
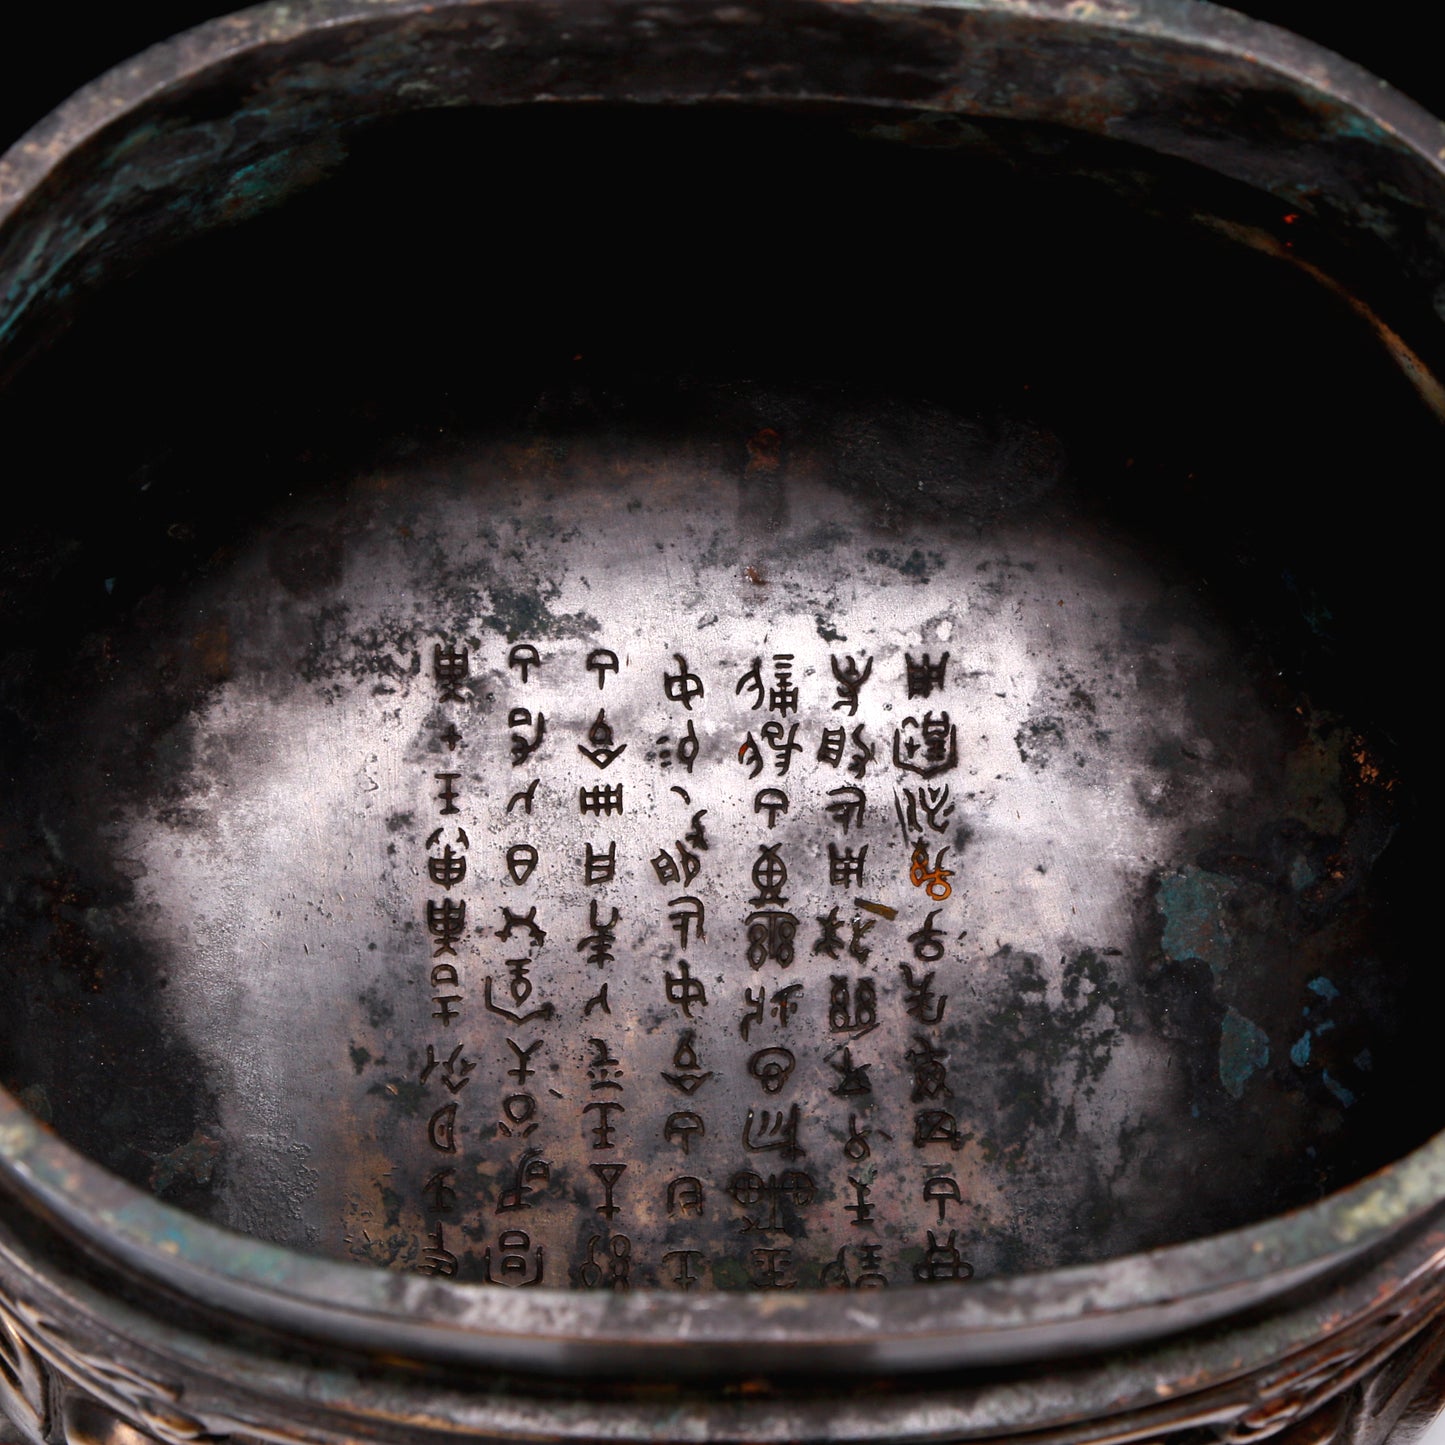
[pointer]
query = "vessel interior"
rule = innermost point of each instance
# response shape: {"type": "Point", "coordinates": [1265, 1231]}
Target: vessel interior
{"type": "Point", "coordinates": [985, 576]}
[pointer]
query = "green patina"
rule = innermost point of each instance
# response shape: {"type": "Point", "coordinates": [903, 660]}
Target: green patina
{"type": "Point", "coordinates": [1193, 902]}
{"type": "Point", "coordinates": [1243, 1049]}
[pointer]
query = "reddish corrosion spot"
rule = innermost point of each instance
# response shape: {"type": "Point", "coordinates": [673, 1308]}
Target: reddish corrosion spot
{"type": "Point", "coordinates": [765, 451]}
{"type": "Point", "coordinates": [1371, 774]}
{"type": "Point", "coordinates": [755, 577]}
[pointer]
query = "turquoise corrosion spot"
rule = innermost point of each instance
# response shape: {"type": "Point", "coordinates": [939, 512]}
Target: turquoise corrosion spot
{"type": "Point", "coordinates": [1192, 902]}
{"type": "Point", "coordinates": [1343, 1094]}
{"type": "Point", "coordinates": [1243, 1048]}
{"type": "Point", "coordinates": [1299, 1055]}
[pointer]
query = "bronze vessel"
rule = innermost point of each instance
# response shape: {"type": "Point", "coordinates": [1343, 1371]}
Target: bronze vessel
{"type": "Point", "coordinates": [712, 733]}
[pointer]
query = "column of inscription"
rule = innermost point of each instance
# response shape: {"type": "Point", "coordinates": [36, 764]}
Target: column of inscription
{"type": "Point", "coordinates": [447, 1072]}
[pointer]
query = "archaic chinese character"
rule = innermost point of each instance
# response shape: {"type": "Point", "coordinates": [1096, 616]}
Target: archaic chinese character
{"type": "Point", "coordinates": [942, 1262]}
{"type": "Point", "coordinates": [687, 913]}
{"type": "Point", "coordinates": [522, 746]}
{"type": "Point", "coordinates": [770, 934]}
{"type": "Point", "coordinates": [770, 1267]}
{"type": "Point", "coordinates": [598, 944]}
{"type": "Point", "coordinates": [752, 681]}
{"type": "Point", "coordinates": [602, 752]}
{"type": "Point", "coordinates": [448, 869]}
{"type": "Point", "coordinates": [599, 867]}
{"type": "Point", "coordinates": [863, 754]}
{"type": "Point", "coordinates": [920, 808]}
{"type": "Point", "coordinates": [684, 750]}
{"type": "Point", "coordinates": [519, 984]}
{"type": "Point", "coordinates": [684, 990]}
{"type": "Point", "coordinates": [451, 667]}
{"type": "Point", "coordinates": [604, 1128]}
{"type": "Point", "coordinates": [519, 1116]}
{"type": "Point", "coordinates": [856, 1146]}
{"type": "Point", "coordinates": [613, 1270]}
{"type": "Point", "coordinates": [444, 1010]}
{"type": "Point", "coordinates": [933, 750]}
{"type": "Point", "coordinates": [527, 920]}
{"type": "Point", "coordinates": [852, 1078]}
{"type": "Point", "coordinates": [850, 681]}
{"type": "Point", "coordinates": [783, 695]}
{"type": "Point", "coordinates": [847, 812]}
{"type": "Point", "coordinates": [781, 745]}
{"type": "Point", "coordinates": [604, 1070]}
{"type": "Point", "coordinates": [521, 860]}
{"type": "Point", "coordinates": [932, 878]}
{"type": "Point", "coordinates": [688, 1077]}
{"type": "Point", "coordinates": [602, 800]}
{"type": "Point", "coordinates": [598, 1000]}
{"type": "Point", "coordinates": [930, 1074]}
{"type": "Point", "coordinates": [784, 1003]}
{"type": "Point", "coordinates": [681, 1128]}
{"type": "Point", "coordinates": [830, 939]}
{"type": "Point", "coordinates": [772, 1068]}
{"type": "Point", "coordinates": [924, 675]}
{"type": "Point", "coordinates": [756, 1000]}
{"type": "Point", "coordinates": [436, 1258]}
{"type": "Point", "coordinates": [936, 1126]}
{"type": "Point", "coordinates": [450, 736]}
{"type": "Point", "coordinates": [681, 869]}
{"type": "Point", "coordinates": [793, 1188]}
{"type": "Point", "coordinates": [441, 1191]}
{"type": "Point", "coordinates": [870, 1268]}
{"type": "Point", "coordinates": [456, 1070]}
{"type": "Point", "coordinates": [601, 660]}
{"type": "Point", "coordinates": [518, 981]}
{"type": "Point", "coordinates": [513, 1268]}
{"type": "Point", "coordinates": [860, 1209]}
{"type": "Point", "coordinates": [765, 1130]}
{"type": "Point", "coordinates": [927, 941]}
{"type": "Point", "coordinates": [770, 802]}
{"type": "Point", "coordinates": [770, 872]}
{"type": "Point", "coordinates": [685, 1195]}
{"type": "Point", "coordinates": [852, 1009]}
{"type": "Point", "coordinates": [609, 1174]}
{"type": "Point", "coordinates": [448, 795]}
{"type": "Point", "coordinates": [696, 833]}
{"type": "Point", "coordinates": [834, 1274]}
{"type": "Point", "coordinates": [532, 1172]}
{"type": "Point", "coordinates": [942, 1190]}
{"type": "Point", "coordinates": [681, 686]}
{"type": "Point", "coordinates": [831, 746]}
{"type": "Point", "coordinates": [846, 867]}
{"type": "Point", "coordinates": [522, 1070]}
{"type": "Point", "coordinates": [689, 1261]}
{"type": "Point", "coordinates": [921, 1002]}
{"type": "Point", "coordinates": [446, 921]}
{"type": "Point", "coordinates": [525, 797]}
{"type": "Point", "coordinates": [441, 1129]}
{"type": "Point", "coordinates": [523, 657]}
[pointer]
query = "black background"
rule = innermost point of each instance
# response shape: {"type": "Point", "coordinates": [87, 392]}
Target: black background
{"type": "Point", "coordinates": [63, 46]}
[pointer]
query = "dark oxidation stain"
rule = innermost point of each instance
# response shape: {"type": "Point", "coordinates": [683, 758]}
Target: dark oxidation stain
{"type": "Point", "coordinates": [305, 560]}
{"type": "Point", "coordinates": [194, 1161]}
{"type": "Point", "coordinates": [915, 564]}
{"type": "Point", "coordinates": [1038, 740]}
{"type": "Point", "coordinates": [517, 614]}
